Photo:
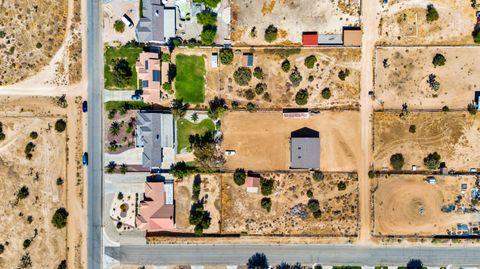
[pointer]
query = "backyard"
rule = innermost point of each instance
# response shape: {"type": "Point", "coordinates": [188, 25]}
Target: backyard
{"type": "Point", "coordinates": [185, 128]}
{"type": "Point", "coordinates": [119, 76]}
{"type": "Point", "coordinates": [190, 78]}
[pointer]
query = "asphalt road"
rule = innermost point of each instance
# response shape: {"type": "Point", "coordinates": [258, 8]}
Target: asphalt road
{"type": "Point", "coordinates": [305, 254]}
{"type": "Point", "coordinates": [94, 134]}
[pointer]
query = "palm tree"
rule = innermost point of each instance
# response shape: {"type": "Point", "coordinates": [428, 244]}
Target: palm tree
{"type": "Point", "coordinates": [115, 128]}
{"type": "Point", "coordinates": [195, 117]}
{"type": "Point", "coordinates": [111, 166]}
{"type": "Point", "coordinates": [123, 168]}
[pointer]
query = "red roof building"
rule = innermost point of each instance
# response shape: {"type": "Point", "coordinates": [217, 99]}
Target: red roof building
{"type": "Point", "coordinates": [310, 39]}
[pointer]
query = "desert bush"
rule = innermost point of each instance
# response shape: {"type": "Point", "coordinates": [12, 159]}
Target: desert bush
{"type": "Point", "coordinates": [59, 181]}
{"type": "Point", "coordinates": [33, 135]}
{"type": "Point", "coordinates": [266, 203]}
{"type": "Point", "coordinates": [249, 94]}
{"type": "Point", "coordinates": [251, 107]}
{"type": "Point", "coordinates": [239, 176]}
{"type": "Point", "coordinates": [23, 192]}
{"type": "Point", "coordinates": [286, 66]}
{"type": "Point", "coordinates": [432, 13]}
{"type": "Point", "coordinates": [343, 74]}
{"type": "Point", "coordinates": [266, 97]}
{"type": "Point", "coordinates": [266, 186]}
{"type": "Point", "coordinates": [119, 26]}
{"type": "Point", "coordinates": [60, 125]}
{"type": "Point", "coordinates": [295, 77]}
{"type": "Point", "coordinates": [439, 60]}
{"type": "Point", "coordinates": [271, 33]}
{"type": "Point", "coordinates": [397, 161]}
{"type": "Point", "coordinates": [301, 98]}
{"type": "Point", "coordinates": [309, 194]}
{"type": "Point", "coordinates": [471, 108]}
{"type": "Point", "coordinates": [310, 61]}
{"type": "Point", "coordinates": [311, 78]}
{"type": "Point", "coordinates": [313, 205]}
{"type": "Point", "coordinates": [432, 161]}
{"type": "Point", "coordinates": [412, 129]}
{"type": "Point", "coordinates": [235, 105]}
{"type": "Point", "coordinates": [59, 219]}
{"type": "Point", "coordinates": [226, 56]}
{"type": "Point", "coordinates": [433, 82]}
{"type": "Point", "coordinates": [326, 94]}
{"type": "Point", "coordinates": [26, 243]}
{"type": "Point", "coordinates": [260, 88]}
{"type": "Point", "coordinates": [445, 109]}
{"type": "Point", "coordinates": [242, 76]}
{"type": "Point", "coordinates": [63, 264]}
{"type": "Point", "coordinates": [258, 72]}
{"type": "Point", "coordinates": [317, 175]}
{"type": "Point", "coordinates": [341, 186]}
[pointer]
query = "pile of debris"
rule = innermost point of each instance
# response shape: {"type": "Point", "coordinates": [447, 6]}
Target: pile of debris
{"type": "Point", "coordinates": [300, 211]}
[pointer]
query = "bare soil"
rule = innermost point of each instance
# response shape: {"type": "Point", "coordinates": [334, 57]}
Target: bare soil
{"type": "Point", "coordinates": [404, 80]}
{"type": "Point", "coordinates": [242, 211]}
{"type": "Point", "coordinates": [408, 205]}
{"type": "Point", "coordinates": [261, 139]}
{"type": "Point", "coordinates": [453, 135]}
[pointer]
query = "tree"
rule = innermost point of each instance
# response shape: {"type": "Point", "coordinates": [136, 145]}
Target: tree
{"type": "Point", "coordinates": [23, 192]}
{"type": "Point", "coordinates": [121, 73]}
{"type": "Point", "coordinates": [476, 36]}
{"type": "Point", "coordinates": [242, 76]}
{"type": "Point", "coordinates": [412, 129]}
{"type": "Point", "coordinates": [59, 181]}
{"type": "Point", "coordinates": [286, 66]}
{"type": "Point", "coordinates": [258, 261]}
{"type": "Point", "coordinates": [301, 98]}
{"type": "Point", "coordinates": [317, 175]}
{"type": "Point", "coordinates": [119, 26]}
{"type": "Point", "coordinates": [123, 168]}
{"type": "Point", "coordinates": [271, 33]}
{"type": "Point", "coordinates": [59, 219]}
{"type": "Point", "coordinates": [310, 193]}
{"type": "Point", "coordinates": [266, 186]}
{"type": "Point", "coordinates": [165, 57]}
{"type": "Point", "coordinates": [266, 203]}
{"type": "Point", "coordinates": [266, 97]}
{"type": "Point", "coordinates": [258, 72]}
{"type": "Point", "coordinates": [62, 265]}
{"type": "Point", "coordinates": [226, 56]}
{"type": "Point", "coordinates": [439, 60]}
{"type": "Point", "coordinates": [208, 3]}
{"type": "Point", "coordinates": [239, 176]}
{"type": "Point", "coordinates": [310, 61]}
{"type": "Point", "coordinates": [178, 108]}
{"type": "Point", "coordinates": [432, 161]}
{"type": "Point", "coordinates": [295, 77]}
{"type": "Point", "coordinates": [60, 125]}
{"type": "Point", "coordinates": [208, 36]}
{"type": "Point", "coordinates": [341, 186]}
{"type": "Point", "coordinates": [114, 128]}
{"type": "Point", "coordinates": [33, 135]}
{"type": "Point", "coordinates": [415, 264]}
{"type": "Point", "coordinates": [251, 107]}
{"type": "Point", "coordinates": [194, 117]}
{"type": "Point", "coordinates": [343, 74]}
{"type": "Point", "coordinates": [27, 243]}
{"type": "Point", "coordinates": [249, 94]}
{"type": "Point", "coordinates": [207, 18]}
{"type": "Point", "coordinates": [432, 13]}
{"type": "Point", "coordinates": [216, 108]}
{"type": "Point", "coordinates": [326, 94]}
{"type": "Point", "coordinates": [397, 161]}
{"type": "Point", "coordinates": [180, 170]}
{"type": "Point", "coordinates": [445, 109]}
{"type": "Point", "coordinates": [111, 167]}
{"type": "Point", "coordinates": [472, 109]}
{"type": "Point", "coordinates": [260, 88]}
{"type": "Point", "coordinates": [205, 151]}
{"type": "Point", "coordinates": [313, 205]}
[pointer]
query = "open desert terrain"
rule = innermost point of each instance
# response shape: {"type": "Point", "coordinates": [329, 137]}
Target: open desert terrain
{"type": "Point", "coordinates": [251, 18]}
{"type": "Point", "coordinates": [402, 74]}
{"type": "Point", "coordinates": [406, 205]}
{"type": "Point", "coordinates": [242, 212]}
{"type": "Point", "coordinates": [261, 139]}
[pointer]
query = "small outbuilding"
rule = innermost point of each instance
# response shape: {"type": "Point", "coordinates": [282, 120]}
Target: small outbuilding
{"type": "Point", "coordinates": [352, 37]}
{"type": "Point", "coordinates": [214, 60]}
{"type": "Point", "coordinates": [253, 183]}
{"type": "Point", "coordinates": [310, 38]}
{"type": "Point", "coordinates": [305, 149]}
{"type": "Point", "coordinates": [247, 59]}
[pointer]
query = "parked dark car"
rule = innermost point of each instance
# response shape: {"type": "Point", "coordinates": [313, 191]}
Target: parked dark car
{"type": "Point", "coordinates": [85, 158]}
{"type": "Point", "coordinates": [84, 106]}
{"type": "Point", "coordinates": [136, 97]}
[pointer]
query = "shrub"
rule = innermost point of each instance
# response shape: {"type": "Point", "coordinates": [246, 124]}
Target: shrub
{"type": "Point", "coordinates": [2, 34]}
{"type": "Point", "coordinates": [33, 135]}
{"type": "Point", "coordinates": [326, 94]}
{"type": "Point", "coordinates": [208, 3]}
{"type": "Point", "coordinates": [119, 26]}
{"type": "Point", "coordinates": [301, 98]}
{"type": "Point", "coordinates": [432, 13]}
{"type": "Point", "coordinates": [59, 181]}
{"type": "Point", "coordinates": [341, 186]}
{"type": "Point", "coordinates": [271, 33]}
{"type": "Point", "coordinates": [167, 86]}
{"type": "Point", "coordinates": [476, 37]}
{"type": "Point", "coordinates": [235, 105]}
{"type": "Point", "coordinates": [207, 18]}
{"type": "Point", "coordinates": [239, 176]}
{"type": "Point", "coordinates": [251, 107]}
{"type": "Point", "coordinates": [26, 243]}
{"type": "Point", "coordinates": [59, 219]}
{"type": "Point", "coordinates": [317, 175]}
{"type": "Point", "coordinates": [309, 194]}
{"type": "Point", "coordinates": [433, 83]}
{"type": "Point", "coordinates": [313, 205]}
{"type": "Point", "coordinates": [397, 161]}
{"type": "Point", "coordinates": [63, 264]}
{"type": "Point", "coordinates": [266, 186]}
{"type": "Point", "coordinates": [23, 192]}
{"type": "Point", "coordinates": [178, 108]}
{"type": "Point", "coordinates": [266, 203]}
{"type": "Point", "coordinates": [2, 248]}
{"type": "Point", "coordinates": [311, 78]}
{"type": "Point", "coordinates": [286, 66]}
{"type": "Point", "coordinates": [242, 76]}
{"type": "Point", "coordinates": [249, 94]}
{"type": "Point", "coordinates": [216, 108]}
{"type": "Point", "coordinates": [412, 129]}
{"type": "Point", "coordinates": [472, 109]}
{"type": "Point", "coordinates": [343, 74]}
{"type": "Point", "coordinates": [371, 174]}
{"type": "Point", "coordinates": [432, 161]}
{"type": "Point", "coordinates": [439, 60]}
{"type": "Point", "coordinates": [2, 136]}
{"type": "Point", "coordinates": [295, 77]}
{"type": "Point", "coordinates": [29, 147]}
{"type": "Point", "coordinates": [310, 61]}
{"type": "Point", "coordinates": [60, 125]}
{"type": "Point", "coordinates": [208, 36]}
{"type": "Point", "coordinates": [260, 88]}
{"type": "Point", "coordinates": [445, 109]}
{"type": "Point", "coordinates": [165, 57]}
{"type": "Point", "coordinates": [120, 196]}
{"type": "Point", "coordinates": [226, 56]}
{"type": "Point", "coordinates": [266, 97]}
{"type": "Point", "coordinates": [258, 72]}
{"type": "Point", "coordinates": [39, 45]}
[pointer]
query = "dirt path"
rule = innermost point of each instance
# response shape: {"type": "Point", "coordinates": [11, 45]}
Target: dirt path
{"type": "Point", "coordinates": [370, 22]}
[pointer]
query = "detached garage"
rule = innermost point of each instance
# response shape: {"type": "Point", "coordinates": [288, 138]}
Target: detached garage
{"type": "Point", "coordinates": [310, 39]}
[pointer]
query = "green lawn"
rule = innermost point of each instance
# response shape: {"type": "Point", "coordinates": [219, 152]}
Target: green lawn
{"type": "Point", "coordinates": [185, 128]}
{"type": "Point", "coordinates": [190, 78]}
{"type": "Point", "coordinates": [128, 52]}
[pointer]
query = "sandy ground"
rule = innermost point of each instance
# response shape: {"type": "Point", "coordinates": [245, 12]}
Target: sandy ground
{"type": "Point", "coordinates": [453, 135]}
{"type": "Point", "coordinates": [345, 94]}
{"type": "Point", "coordinates": [210, 192]}
{"type": "Point", "coordinates": [405, 79]}
{"type": "Point", "coordinates": [399, 199]}
{"type": "Point", "coordinates": [404, 23]}
{"type": "Point", "coordinates": [113, 11]}
{"type": "Point", "coordinates": [261, 139]}
{"type": "Point", "coordinates": [242, 212]}
{"type": "Point", "coordinates": [41, 111]}
{"type": "Point", "coordinates": [292, 18]}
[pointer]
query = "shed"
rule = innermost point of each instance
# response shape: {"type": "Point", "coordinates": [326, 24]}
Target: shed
{"type": "Point", "coordinates": [352, 37]}
{"type": "Point", "coordinates": [310, 39]}
{"type": "Point", "coordinates": [247, 59]}
{"type": "Point", "coordinates": [253, 183]}
{"type": "Point", "coordinates": [214, 60]}
{"type": "Point", "coordinates": [305, 149]}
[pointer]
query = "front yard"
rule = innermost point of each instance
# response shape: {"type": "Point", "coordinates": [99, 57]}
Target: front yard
{"type": "Point", "coordinates": [117, 76]}
{"type": "Point", "coordinates": [190, 78]}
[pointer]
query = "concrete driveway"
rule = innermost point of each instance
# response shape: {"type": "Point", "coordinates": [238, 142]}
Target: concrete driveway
{"type": "Point", "coordinates": [109, 95]}
{"type": "Point", "coordinates": [129, 157]}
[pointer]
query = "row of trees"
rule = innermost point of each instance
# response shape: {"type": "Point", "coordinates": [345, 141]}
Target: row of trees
{"type": "Point", "coordinates": [431, 161]}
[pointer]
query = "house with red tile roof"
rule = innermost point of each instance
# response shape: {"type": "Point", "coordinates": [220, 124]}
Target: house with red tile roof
{"type": "Point", "coordinates": [156, 212]}
{"type": "Point", "coordinates": [253, 183]}
{"type": "Point", "coordinates": [149, 72]}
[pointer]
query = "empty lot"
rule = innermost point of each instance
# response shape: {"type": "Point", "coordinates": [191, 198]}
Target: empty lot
{"type": "Point", "coordinates": [402, 73]}
{"type": "Point", "coordinates": [261, 139]}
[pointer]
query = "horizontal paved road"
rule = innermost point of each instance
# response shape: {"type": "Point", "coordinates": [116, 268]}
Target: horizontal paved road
{"type": "Point", "coordinates": [306, 254]}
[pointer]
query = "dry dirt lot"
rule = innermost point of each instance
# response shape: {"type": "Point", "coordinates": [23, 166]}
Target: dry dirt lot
{"type": "Point", "coordinates": [407, 205]}
{"type": "Point", "coordinates": [454, 135]}
{"type": "Point", "coordinates": [113, 11]}
{"type": "Point", "coordinates": [405, 78]}
{"type": "Point", "coordinates": [404, 23]}
{"type": "Point", "coordinates": [242, 212]}
{"type": "Point", "coordinates": [210, 192]}
{"type": "Point", "coordinates": [261, 139]}
{"type": "Point", "coordinates": [45, 197]}
{"type": "Point", "coordinates": [291, 17]}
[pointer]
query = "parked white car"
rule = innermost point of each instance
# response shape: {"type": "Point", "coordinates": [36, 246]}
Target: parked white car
{"type": "Point", "coordinates": [128, 22]}
{"type": "Point", "coordinates": [230, 152]}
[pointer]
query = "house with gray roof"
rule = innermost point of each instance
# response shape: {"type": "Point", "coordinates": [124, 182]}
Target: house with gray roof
{"type": "Point", "coordinates": [158, 23]}
{"type": "Point", "coordinates": [156, 134]}
{"type": "Point", "coordinates": [305, 149]}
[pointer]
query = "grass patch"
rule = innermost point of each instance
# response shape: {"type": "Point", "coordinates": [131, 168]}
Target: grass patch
{"type": "Point", "coordinates": [185, 128]}
{"type": "Point", "coordinates": [128, 52]}
{"type": "Point", "coordinates": [190, 79]}
{"type": "Point", "coordinates": [126, 105]}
